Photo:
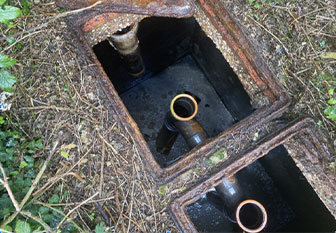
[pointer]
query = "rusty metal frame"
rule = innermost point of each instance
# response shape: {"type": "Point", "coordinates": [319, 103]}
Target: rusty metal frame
{"type": "Point", "coordinates": [257, 68]}
{"type": "Point", "coordinates": [175, 8]}
{"type": "Point", "coordinates": [235, 163]}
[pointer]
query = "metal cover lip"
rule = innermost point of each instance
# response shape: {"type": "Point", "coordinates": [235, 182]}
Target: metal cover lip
{"type": "Point", "coordinates": [303, 127]}
{"type": "Point", "coordinates": [168, 8]}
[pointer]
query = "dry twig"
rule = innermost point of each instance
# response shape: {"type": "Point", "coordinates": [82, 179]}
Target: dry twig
{"type": "Point", "coordinates": [4, 182]}
{"type": "Point", "coordinates": [71, 211]}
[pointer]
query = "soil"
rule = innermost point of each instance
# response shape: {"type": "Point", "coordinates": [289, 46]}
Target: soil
{"type": "Point", "coordinates": [58, 90]}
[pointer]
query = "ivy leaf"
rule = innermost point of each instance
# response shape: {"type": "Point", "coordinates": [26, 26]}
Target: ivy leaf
{"type": "Point", "coordinates": [6, 80]}
{"type": "Point", "coordinates": [26, 6]}
{"type": "Point", "coordinates": [14, 173]}
{"type": "Point", "coordinates": [6, 61]}
{"type": "Point", "coordinates": [100, 228]}
{"type": "Point", "coordinates": [23, 164]}
{"type": "Point", "coordinates": [9, 13]}
{"type": "Point", "coordinates": [43, 210]}
{"type": "Point", "coordinates": [53, 199]}
{"type": "Point", "coordinates": [2, 2]}
{"type": "Point", "coordinates": [7, 228]}
{"type": "Point", "coordinates": [29, 160]}
{"type": "Point", "coordinates": [2, 121]}
{"type": "Point", "coordinates": [330, 112]}
{"type": "Point", "coordinates": [10, 40]}
{"type": "Point", "coordinates": [22, 227]}
{"type": "Point", "coordinates": [332, 101]}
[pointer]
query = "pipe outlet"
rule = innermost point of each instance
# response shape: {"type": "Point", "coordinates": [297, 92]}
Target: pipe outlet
{"type": "Point", "coordinates": [251, 216]}
{"type": "Point", "coordinates": [126, 42]}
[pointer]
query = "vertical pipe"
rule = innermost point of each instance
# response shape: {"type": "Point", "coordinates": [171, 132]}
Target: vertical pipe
{"type": "Point", "coordinates": [180, 120]}
{"type": "Point", "coordinates": [231, 194]}
{"type": "Point", "coordinates": [126, 43]}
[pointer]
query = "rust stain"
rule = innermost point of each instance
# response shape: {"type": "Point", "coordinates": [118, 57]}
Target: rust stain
{"type": "Point", "coordinates": [75, 4]}
{"type": "Point", "coordinates": [242, 47]}
{"type": "Point", "coordinates": [98, 20]}
{"type": "Point", "coordinates": [169, 8]}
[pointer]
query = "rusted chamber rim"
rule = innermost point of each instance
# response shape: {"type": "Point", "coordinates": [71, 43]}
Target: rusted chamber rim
{"type": "Point", "coordinates": [237, 162]}
{"type": "Point", "coordinates": [91, 8]}
{"type": "Point", "coordinates": [242, 48]}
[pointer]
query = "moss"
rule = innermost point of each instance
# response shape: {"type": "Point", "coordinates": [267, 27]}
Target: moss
{"type": "Point", "coordinates": [216, 157]}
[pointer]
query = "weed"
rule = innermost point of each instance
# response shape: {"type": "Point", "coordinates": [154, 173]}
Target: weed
{"type": "Point", "coordinates": [330, 110]}
{"type": "Point", "coordinates": [20, 167]}
{"type": "Point", "coordinates": [7, 13]}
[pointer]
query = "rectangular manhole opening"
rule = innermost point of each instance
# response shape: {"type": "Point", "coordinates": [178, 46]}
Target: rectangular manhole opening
{"type": "Point", "coordinates": [178, 58]}
{"type": "Point", "coordinates": [274, 181]}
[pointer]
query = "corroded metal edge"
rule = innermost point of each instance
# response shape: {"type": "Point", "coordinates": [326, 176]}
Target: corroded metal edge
{"type": "Point", "coordinates": [176, 8]}
{"type": "Point", "coordinates": [238, 42]}
{"type": "Point", "coordinates": [301, 127]}
{"type": "Point", "coordinates": [233, 34]}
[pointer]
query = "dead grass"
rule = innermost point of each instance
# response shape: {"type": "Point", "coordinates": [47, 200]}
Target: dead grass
{"type": "Point", "coordinates": [58, 91]}
{"type": "Point", "coordinates": [292, 36]}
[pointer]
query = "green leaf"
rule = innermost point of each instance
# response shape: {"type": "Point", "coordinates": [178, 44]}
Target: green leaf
{"type": "Point", "coordinates": [91, 216]}
{"type": "Point", "coordinates": [26, 6]}
{"type": "Point", "coordinates": [332, 101]}
{"type": "Point", "coordinates": [9, 13]}
{"type": "Point", "coordinates": [36, 144]}
{"type": "Point", "coordinates": [14, 173]}
{"type": "Point", "coordinates": [19, 46]}
{"type": "Point", "coordinates": [162, 190]}
{"type": "Point", "coordinates": [2, 121]}
{"type": "Point", "coordinates": [22, 227]}
{"type": "Point", "coordinates": [29, 160]}
{"type": "Point", "coordinates": [6, 62]}
{"type": "Point", "coordinates": [23, 164]}
{"type": "Point", "coordinates": [319, 123]}
{"type": "Point", "coordinates": [2, 2]}
{"type": "Point", "coordinates": [25, 3]}
{"type": "Point", "coordinates": [43, 210]}
{"type": "Point", "coordinates": [322, 43]}
{"type": "Point", "coordinates": [6, 80]}
{"type": "Point", "coordinates": [100, 228]}
{"type": "Point", "coordinates": [10, 40]}
{"type": "Point", "coordinates": [330, 112]}
{"type": "Point", "coordinates": [39, 144]}
{"type": "Point", "coordinates": [255, 137]}
{"type": "Point", "coordinates": [65, 154]}
{"type": "Point", "coordinates": [8, 228]}
{"type": "Point", "coordinates": [53, 199]}
{"type": "Point", "coordinates": [62, 10]}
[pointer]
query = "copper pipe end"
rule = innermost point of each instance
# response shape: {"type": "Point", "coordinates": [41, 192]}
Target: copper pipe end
{"type": "Point", "coordinates": [259, 224]}
{"type": "Point", "coordinates": [183, 107]}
